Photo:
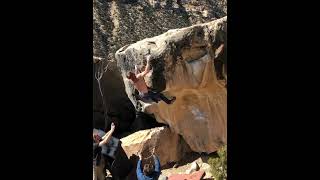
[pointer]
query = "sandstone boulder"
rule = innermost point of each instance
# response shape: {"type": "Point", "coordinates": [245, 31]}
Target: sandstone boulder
{"type": "Point", "coordinates": [183, 65]}
{"type": "Point", "coordinates": [168, 146]}
{"type": "Point", "coordinates": [194, 167]}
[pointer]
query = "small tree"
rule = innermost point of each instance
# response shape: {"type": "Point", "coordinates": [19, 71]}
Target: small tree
{"type": "Point", "coordinates": [218, 164]}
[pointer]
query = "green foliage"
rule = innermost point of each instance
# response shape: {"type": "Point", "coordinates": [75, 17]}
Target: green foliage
{"type": "Point", "coordinates": [218, 164]}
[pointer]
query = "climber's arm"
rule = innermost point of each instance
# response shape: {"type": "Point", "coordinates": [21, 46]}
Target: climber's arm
{"type": "Point", "coordinates": [107, 136]}
{"type": "Point", "coordinates": [146, 70]}
{"type": "Point", "coordinates": [136, 70]}
{"type": "Point", "coordinates": [139, 171]}
{"type": "Point", "coordinates": [219, 50]}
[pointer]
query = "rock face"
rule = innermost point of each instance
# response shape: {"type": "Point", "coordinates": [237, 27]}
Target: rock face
{"type": "Point", "coordinates": [117, 104]}
{"type": "Point", "coordinates": [183, 66]}
{"type": "Point", "coordinates": [117, 23]}
{"type": "Point", "coordinates": [120, 22]}
{"type": "Point", "coordinates": [194, 167]}
{"type": "Point", "coordinates": [168, 146]}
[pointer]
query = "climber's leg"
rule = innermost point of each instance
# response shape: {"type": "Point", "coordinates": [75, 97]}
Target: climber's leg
{"type": "Point", "coordinates": [165, 99]}
{"type": "Point", "coordinates": [154, 96]}
{"type": "Point", "coordinates": [145, 97]}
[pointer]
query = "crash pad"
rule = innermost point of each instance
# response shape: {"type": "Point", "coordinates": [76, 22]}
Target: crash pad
{"type": "Point", "coordinates": [198, 175]}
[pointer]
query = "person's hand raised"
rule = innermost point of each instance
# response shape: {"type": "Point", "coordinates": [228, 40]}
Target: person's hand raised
{"type": "Point", "coordinates": [113, 126]}
{"type": "Point", "coordinates": [148, 58]}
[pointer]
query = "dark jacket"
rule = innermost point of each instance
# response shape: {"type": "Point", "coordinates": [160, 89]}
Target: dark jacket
{"type": "Point", "coordinates": [96, 153]}
{"type": "Point", "coordinates": [154, 176]}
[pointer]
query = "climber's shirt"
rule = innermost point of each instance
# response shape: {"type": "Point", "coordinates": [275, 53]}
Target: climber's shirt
{"type": "Point", "coordinates": [111, 147]}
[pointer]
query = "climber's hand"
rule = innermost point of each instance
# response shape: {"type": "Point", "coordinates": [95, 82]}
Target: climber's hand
{"type": "Point", "coordinates": [113, 126]}
{"type": "Point", "coordinates": [148, 57]}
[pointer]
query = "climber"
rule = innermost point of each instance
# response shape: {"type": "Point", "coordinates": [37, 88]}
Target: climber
{"type": "Point", "coordinates": [145, 93]}
{"type": "Point", "coordinates": [99, 163]}
{"type": "Point", "coordinates": [149, 171]}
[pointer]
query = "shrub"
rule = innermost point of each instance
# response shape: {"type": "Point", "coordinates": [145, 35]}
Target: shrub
{"type": "Point", "coordinates": [218, 163]}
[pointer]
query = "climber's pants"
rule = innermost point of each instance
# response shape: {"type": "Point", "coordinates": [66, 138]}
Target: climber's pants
{"type": "Point", "coordinates": [154, 96]}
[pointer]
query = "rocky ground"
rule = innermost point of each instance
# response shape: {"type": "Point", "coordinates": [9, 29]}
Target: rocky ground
{"type": "Point", "coordinates": [174, 156]}
{"type": "Point", "coordinates": [185, 164]}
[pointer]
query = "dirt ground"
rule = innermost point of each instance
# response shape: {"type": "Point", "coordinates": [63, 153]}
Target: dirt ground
{"type": "Point", "coordinates": [185, 164]}
{"type": "Point", "coordinates": [182, 166]}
